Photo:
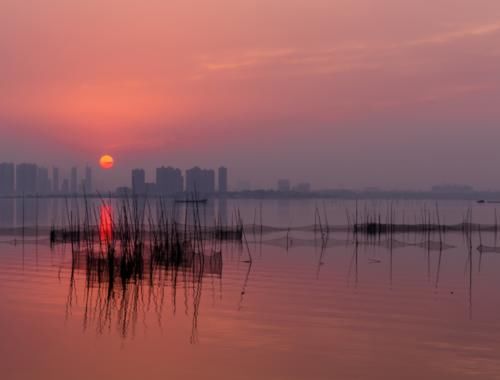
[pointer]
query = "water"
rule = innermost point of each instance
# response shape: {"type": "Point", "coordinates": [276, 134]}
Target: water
{"type": "Point", "coordinates": [283, 213]}
{"type": "Point", "coordinates": [296, 312]}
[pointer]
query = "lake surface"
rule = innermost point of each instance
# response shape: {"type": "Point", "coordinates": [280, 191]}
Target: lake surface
{"type": "Point", "coordinates": [400, 306]}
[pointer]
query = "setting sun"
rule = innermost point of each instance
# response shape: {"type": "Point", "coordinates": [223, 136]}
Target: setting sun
{"type": "Point", "coordinates": [253, 189]}
{"type": "Point", "coordinates": [106, 161]}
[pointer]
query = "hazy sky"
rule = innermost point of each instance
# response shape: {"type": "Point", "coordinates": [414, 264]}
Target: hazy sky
{"type": "Point", "coordinates": [389, 93]}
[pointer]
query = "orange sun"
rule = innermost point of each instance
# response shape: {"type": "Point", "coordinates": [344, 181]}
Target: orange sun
{"type": "Point", "coordinates": [106, 161]}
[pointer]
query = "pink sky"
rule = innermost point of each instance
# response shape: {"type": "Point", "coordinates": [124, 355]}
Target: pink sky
{"type": "Point", "coordinates": [391, 93]}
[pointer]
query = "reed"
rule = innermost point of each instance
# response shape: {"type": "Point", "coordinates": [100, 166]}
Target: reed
{"type": "Point", "coordinates": [122, 241]}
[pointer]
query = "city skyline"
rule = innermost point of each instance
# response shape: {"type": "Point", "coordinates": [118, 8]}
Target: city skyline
{"type": "Point", "coordinates": [31, 179]}
{"type": "Point", "coordinates": [337, 93]}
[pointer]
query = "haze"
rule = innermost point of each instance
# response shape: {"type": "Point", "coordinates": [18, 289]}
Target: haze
{"type": "Point", "coordinates": [388, 93]}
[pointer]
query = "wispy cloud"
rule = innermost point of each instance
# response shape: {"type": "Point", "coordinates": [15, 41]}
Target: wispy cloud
{"type": "Point", "coordinates": [444, 38]}
{"type": "Point", "coordinates": [232, 65]}
{"type": "Point", "coordinates": [350, 57]}
{"type": "Point", "coordinates": [248, 58]}
{"type": "Point", "coordinates": [319, 60]}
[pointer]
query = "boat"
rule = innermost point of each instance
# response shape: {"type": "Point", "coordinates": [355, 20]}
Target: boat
{"type": "Point", "coordinates": [195, 201]}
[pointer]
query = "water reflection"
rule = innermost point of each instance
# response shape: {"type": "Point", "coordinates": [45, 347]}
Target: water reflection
{"type": "Point", "coordinates": [114, 303]}
{"type": "Point", "coordinates": [117, 289]}
{"type": "Point", "coordinates": [6, 213]}
{"type": "Point", "coordinates": [321, 298]}
{"type": "Point", "coordinates": [27, 211]}
{"type": "Point", "coordinates": [222, 211]}
{"type": "Point", "coordinates": [131, 271]}
{"type": "Point", "coordinates": [105, 223]}
{"type": "Point", "coordinates": [108, 299]}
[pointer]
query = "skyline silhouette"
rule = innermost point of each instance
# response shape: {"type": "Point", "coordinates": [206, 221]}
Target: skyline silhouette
{"type": "Point", "coordinates": [335, 93]}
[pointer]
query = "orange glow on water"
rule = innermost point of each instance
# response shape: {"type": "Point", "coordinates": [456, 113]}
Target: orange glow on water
{"type": "Point", "coordinates": [106, 223]}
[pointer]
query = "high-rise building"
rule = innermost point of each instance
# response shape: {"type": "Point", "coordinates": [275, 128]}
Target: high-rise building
{"type": "Point", "coordinates": [26, 175]}
{"type": "Point", "coordinates": [193, 176]}
{"type": "Point", "coordinates": [74, 180]}
{"type": "Point", "coordinates": [123, 191]}
{"type": "Point", "coordinates": [7, 184]}
{"type": "Point", "coordinates": [138, 182]}
{"type": "Point", "coordinates": [284, 185]}
{"type": "Point", "coordinates": [87, 182]}
{"type": "Point", "coordinates": [200, 181]}
{"type": "Point", "coordinates": [55, 180]}
{"type": "Point", "coordinates": [43, 181]}
{"type": "Point", "coordinates": [169, 181]}
{"type": "Point", "coordinates": [222, 178]}
{"type": "Point", "coordinates": [209, 181]}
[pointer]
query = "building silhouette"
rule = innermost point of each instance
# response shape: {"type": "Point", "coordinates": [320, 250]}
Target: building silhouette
{"type": "Point", "coordinates": [74, 180]}
{"type": "Point", "coordinates": [26, 176]}
{"type": "Point", "coordinates": [200, 181]}
{"type": "Point", "coordinates": [283, 185]}
{"type": "Point", "coordinates": [169, 181]}
{"type": "Point", "coordinates": [7, 178]}
{"type": "Point", "coordinates": [139, 182]}
{"type": "Point", "coordinates": [123, 191]}
{"type": "Point", "coordinates": [452, 189]}
{"type": "Point", "coordinates": [43, 184]}
{"type": "Point", "coordinates": [55, 181]}
{"type": "Point", "coordinates": [222, 178]}
{"type": "Point", "coordinates": [303, 187]}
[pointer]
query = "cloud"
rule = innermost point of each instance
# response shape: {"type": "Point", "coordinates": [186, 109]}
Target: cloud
{"type": "Point", "coordinates": [300, 61]}
{"type": "Point", "coordinates": [247, 59]}
{"type": "Point", "coordinates": [444, 38]}
{"type": "Point", "coordinates": [235, 65]}
{"type": "Point", "coordinates": [352, 56]}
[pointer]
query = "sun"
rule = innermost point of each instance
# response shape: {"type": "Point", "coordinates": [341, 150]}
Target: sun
{"type": "Point", "coordinates": [106, 161]}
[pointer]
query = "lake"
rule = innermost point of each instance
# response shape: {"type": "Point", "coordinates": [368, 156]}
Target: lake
{"type": "Point", "coordinates": [309, 304]}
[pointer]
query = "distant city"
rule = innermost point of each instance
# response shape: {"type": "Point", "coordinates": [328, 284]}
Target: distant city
{"type": "Point", "coordinates": [29, 179]}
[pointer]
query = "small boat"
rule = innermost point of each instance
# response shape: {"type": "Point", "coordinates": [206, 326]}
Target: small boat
{"type": "Point", "coordinates": [195, 201]}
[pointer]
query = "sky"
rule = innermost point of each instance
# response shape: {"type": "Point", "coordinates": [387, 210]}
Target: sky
{"type": "Point", "coordinates": [396, 94]}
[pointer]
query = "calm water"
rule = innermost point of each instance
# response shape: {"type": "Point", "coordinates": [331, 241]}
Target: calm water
{"type": "Point", "coordinates": [390, 309]}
